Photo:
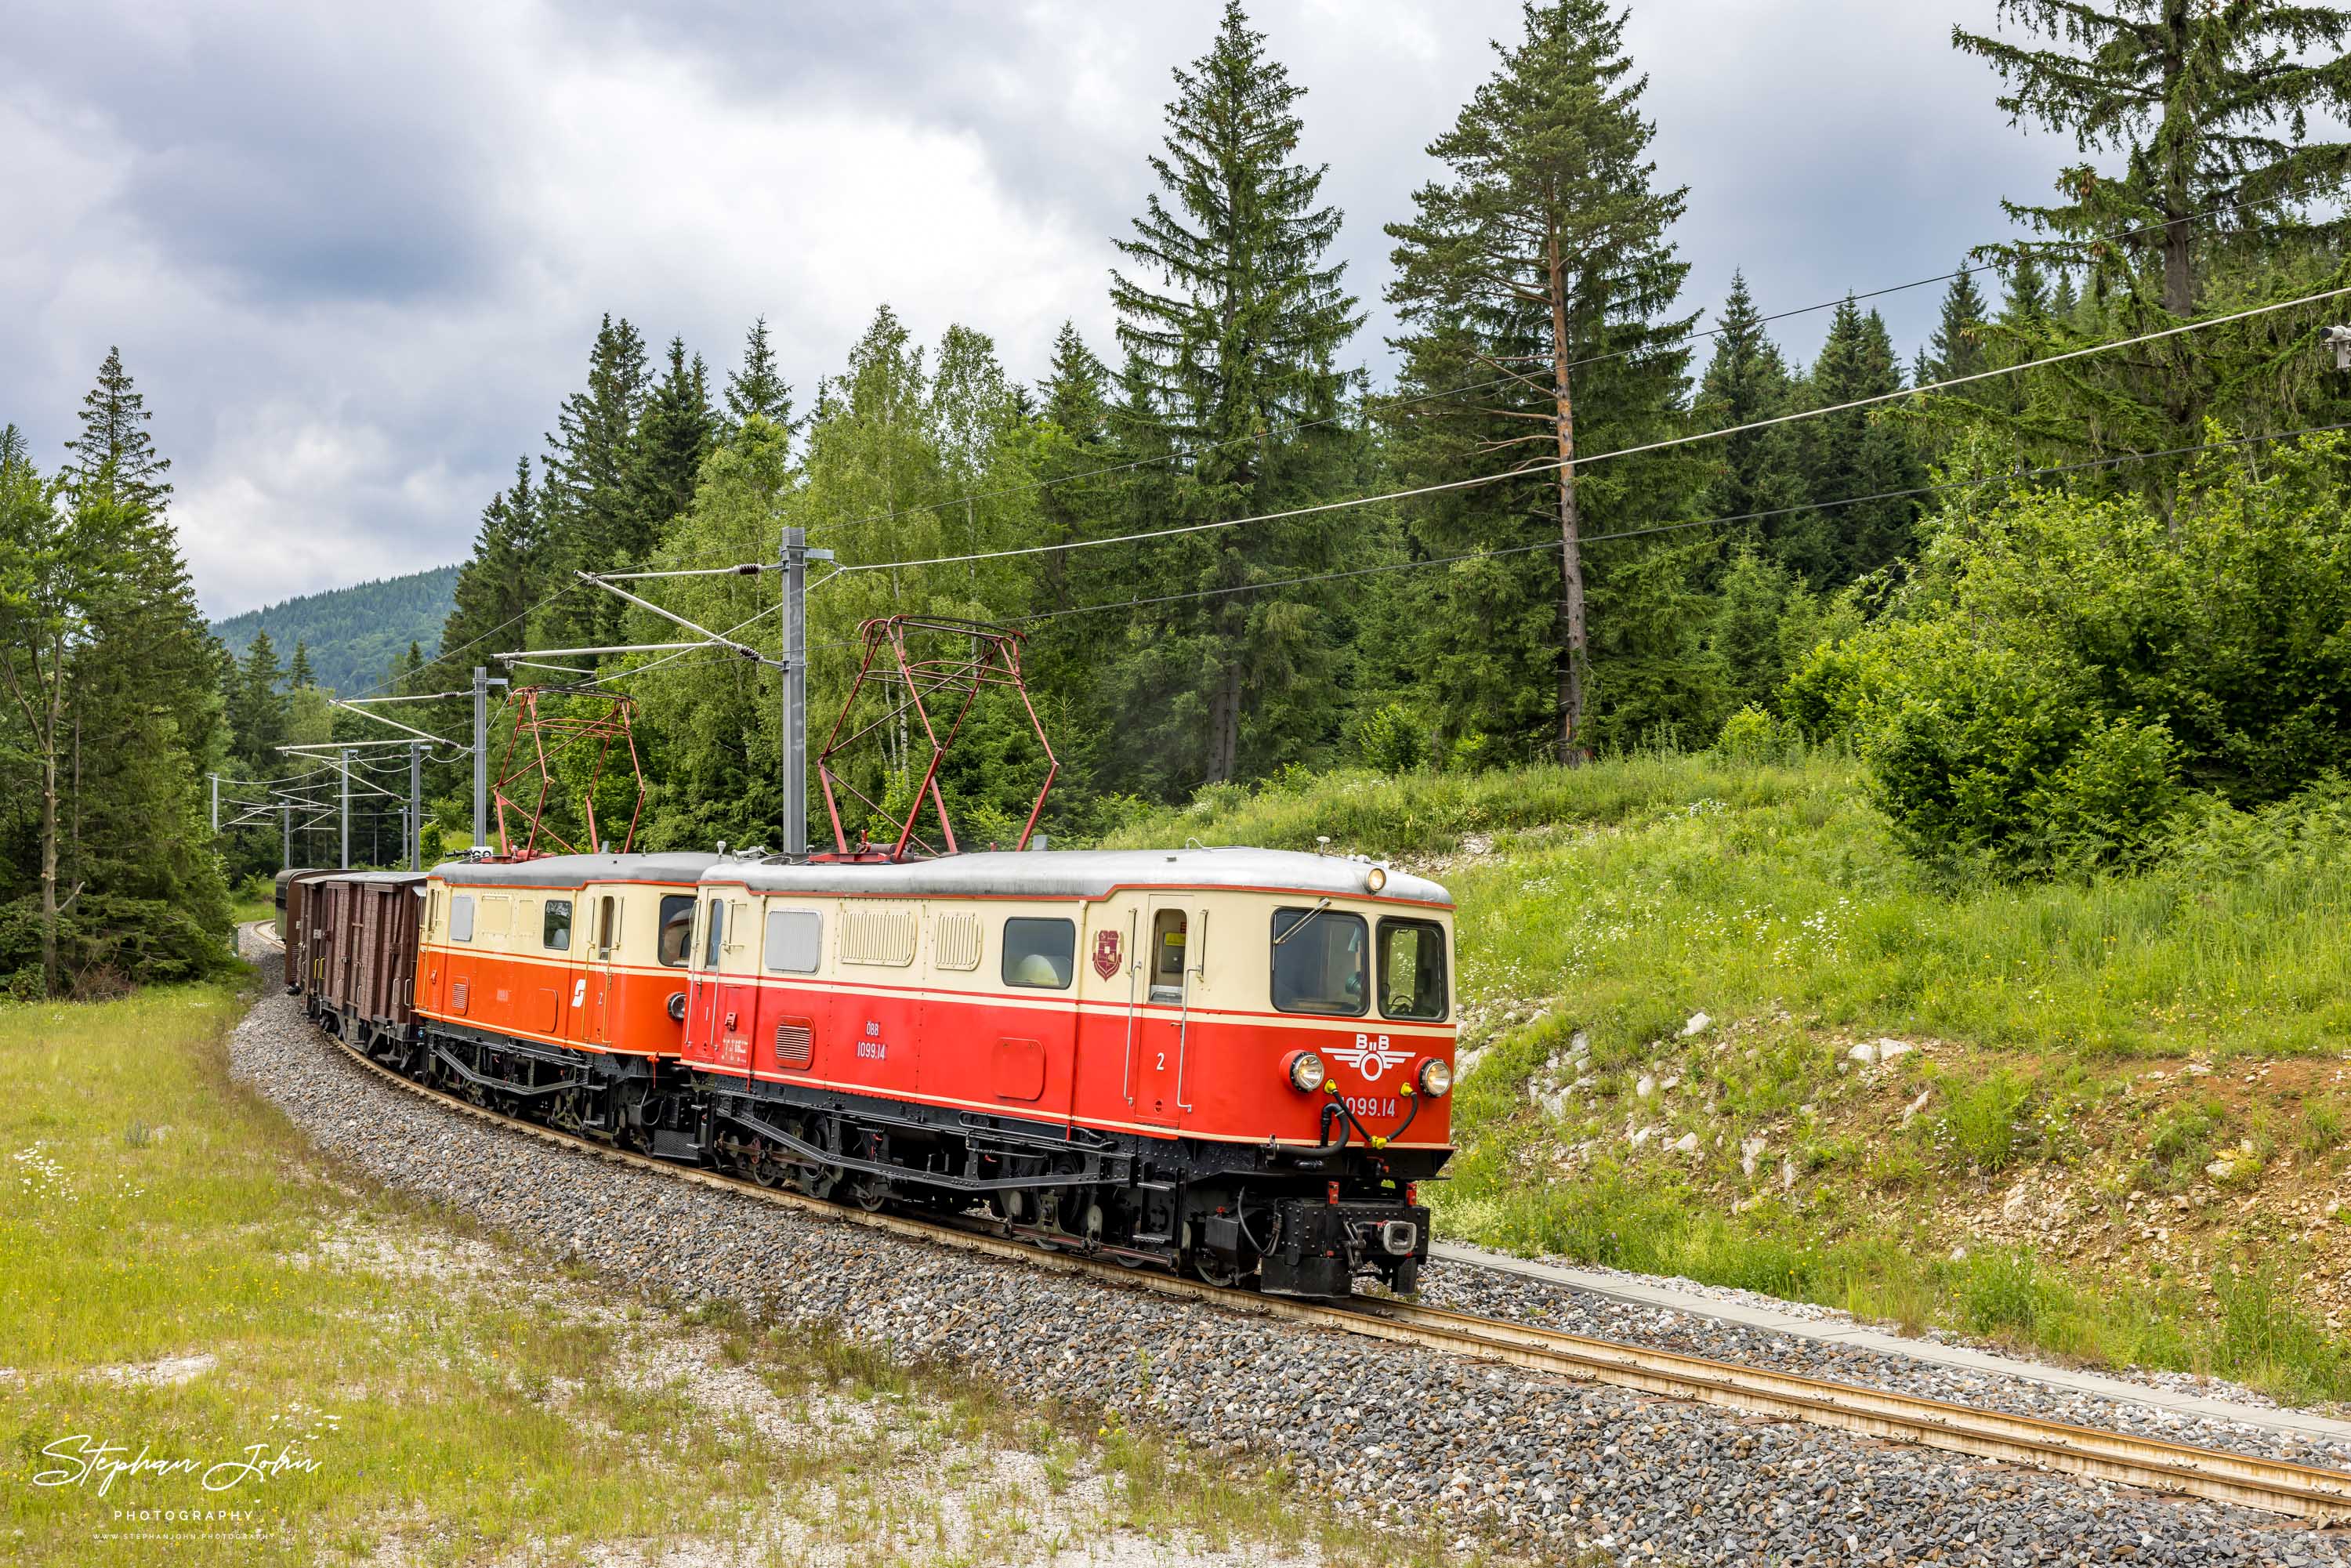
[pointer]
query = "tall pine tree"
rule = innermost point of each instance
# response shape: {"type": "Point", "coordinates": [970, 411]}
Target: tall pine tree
{"type": "Point", "coordinates": [1756, 471]}
{"type": "Point", "coordinates": [115, 447]}
{"type": "Point", "coordinates": [1540, 266]}
{"type": "Point", "coordinates": [591, 513]}
{"type": "Point", "coordinates": [1857, 454]}
{"type": "Point", "coordinates": [758, 388]}
{"type": "Point", "coordinates": [1231, 319]}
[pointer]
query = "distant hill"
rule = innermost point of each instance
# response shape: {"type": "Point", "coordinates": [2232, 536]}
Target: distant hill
{"type": "Point", "coordinates": [354, 634]}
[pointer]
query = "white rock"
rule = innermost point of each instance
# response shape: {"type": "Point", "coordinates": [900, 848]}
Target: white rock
{"type": "Point", "coordinates": [2221, 1170]}
{"type": "Point", "coordinates": [1646, 1087]}
{"type": "Point", "coordinates": [1686, 1144]}
{"type": "Point", "coordinates": [1750, 1151]}
{"type": "Point", "coordinates": [1787, 1173]}
{"type": "Point", "coordinates": [1959, 1254]}
{"type": "Point", "coordinates": [1696, 1025]}
{"type": "Point", "coordinates": [1673, 1082]}
{"type": "Point", "coordinates": [1887, 1049]}
{"type": "Point", "coordinates": [1912, 1109]}
{"type": "Point", "coordinates": [1642, 1137]}
{"type": "Point", "coordinates": [1466, 1062]}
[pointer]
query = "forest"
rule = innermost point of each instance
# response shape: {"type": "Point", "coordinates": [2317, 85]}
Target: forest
{"type": "Point", "coordinates": [347, 637]}
{"type": "Point", "coordinates": [2072, 571]}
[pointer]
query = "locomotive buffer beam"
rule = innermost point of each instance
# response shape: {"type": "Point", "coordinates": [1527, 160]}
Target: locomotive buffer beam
{"type": "Point", "coordinates": [809, 1154]}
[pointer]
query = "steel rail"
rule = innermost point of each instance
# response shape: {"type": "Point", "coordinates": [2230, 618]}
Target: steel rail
{"type": "Point", "coordinates": [2275, 1485]}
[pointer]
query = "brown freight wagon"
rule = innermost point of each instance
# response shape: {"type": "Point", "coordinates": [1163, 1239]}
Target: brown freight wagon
{"type": "Point", "coordinates": [293, 893]}
{"type": "Point", "coordinates": [363, 956]}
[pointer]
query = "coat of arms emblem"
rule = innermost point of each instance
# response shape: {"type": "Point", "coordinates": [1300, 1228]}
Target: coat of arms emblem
{"type": "Point", "coordinates": [1106, 953]}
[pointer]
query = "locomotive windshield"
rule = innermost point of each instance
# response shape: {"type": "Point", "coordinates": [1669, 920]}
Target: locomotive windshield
{"type": "Point", "coordinates": [676, 929]}
{"type": "Point", "coordinates": [1412, 970]}
{"type": "Point", "coordinates": [1318, 959]}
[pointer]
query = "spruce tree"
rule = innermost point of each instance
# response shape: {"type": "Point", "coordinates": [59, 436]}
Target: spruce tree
{"type": "Point", "coordinates": [2208, 106]}
{"type": "Point", "coordinates": [758, 388]}
{"type": "Point", "coordinates": [589, 517]}
{"type": "Point", "coordinates": [1857, 453]}
{"type": "Point", "coordinates": [674, 432]}
{"type": "Point", "coordinates": [257, 711]}
{"type": "Point", "coordinates": [299, 673]}
{"type": "Point", "coordinates": [1231, 319]}
{"type": "Point", "coordinates": [115, 447]}
{"type": "Point", "coordinates": [1958, 348]}
{"type": "Point", "coordinates": [1539, 264]}
{"type": "Point", "coordinates": [2203, 108]}
{"type": "Point", "coordinates": [1746, 381]}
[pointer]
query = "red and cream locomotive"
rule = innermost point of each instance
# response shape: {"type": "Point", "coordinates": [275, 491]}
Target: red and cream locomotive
{"type": "Point", "coordinates": [1235, 1062]}
{"type": "Point", "coordinates": [1232, 1061]}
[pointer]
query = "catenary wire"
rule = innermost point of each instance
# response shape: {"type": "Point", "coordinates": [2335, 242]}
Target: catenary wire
{"type": "Point", "coordinates": [2321, 189]}
{"type": "Point", "coordinates": [1585, 462]}
{"type": "Point", "coordinates": [2084, 466]}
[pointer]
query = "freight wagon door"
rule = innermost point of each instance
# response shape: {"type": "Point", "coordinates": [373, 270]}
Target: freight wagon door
{"type": "Point", "coordinates": [1162, 1011]}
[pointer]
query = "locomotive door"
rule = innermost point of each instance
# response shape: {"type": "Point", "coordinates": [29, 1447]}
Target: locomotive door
{"type": "Point", "coordinates": [1162, 1011]}
{"type": "Point", "coordinates": [593, 992]}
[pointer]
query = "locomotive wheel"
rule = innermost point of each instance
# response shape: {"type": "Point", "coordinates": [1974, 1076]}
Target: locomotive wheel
{"type": "Point", "coordinates": [765, 1171]}
{"type": "Point", "coordinates": [872, 1194]}
{"type": "Point", "coordinates": [1224, 1276]}
{"type": "Point", "coordinates": [818, 1184]}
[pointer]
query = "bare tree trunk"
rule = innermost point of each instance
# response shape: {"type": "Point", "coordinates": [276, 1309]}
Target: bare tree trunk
{"type": "Point", "coordinates": [1225, 725]}
{"type": "Point", "coordinates": [1572, 750]}
{"type": "Point", "coordinates": [49, 818]}
{"type": "Point", "coordinates": [2178, 282]}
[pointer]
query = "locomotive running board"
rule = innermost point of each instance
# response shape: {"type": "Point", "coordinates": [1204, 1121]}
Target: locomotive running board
{"type": "Point", "coordinates": [811, 1155]}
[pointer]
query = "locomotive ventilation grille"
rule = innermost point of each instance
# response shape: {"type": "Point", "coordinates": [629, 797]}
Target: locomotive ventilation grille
{"type": "Point", "coordinates": [794, 1043]}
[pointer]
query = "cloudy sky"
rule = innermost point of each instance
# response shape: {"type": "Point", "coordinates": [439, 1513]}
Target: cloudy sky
{"type": "Point", "coordinates": [354, 256]}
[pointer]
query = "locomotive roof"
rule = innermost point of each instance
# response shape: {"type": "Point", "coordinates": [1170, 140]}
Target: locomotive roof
{"type": "Point", "coordinates": [1085, 874]}
{"type": "Point", "coordinates": [572, 871]}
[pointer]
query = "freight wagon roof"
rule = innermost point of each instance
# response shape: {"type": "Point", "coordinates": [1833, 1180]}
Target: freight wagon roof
{"type": "Point", "coordinates": [573, 871]}
{"type": "Point", "coordinates": [395, 877]}
{"type": "Point", "coordinates": [1081, 873]}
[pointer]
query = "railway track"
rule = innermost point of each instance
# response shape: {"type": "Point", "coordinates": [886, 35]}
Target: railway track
{"type": "Point", "coordinates": [2274, 1486]}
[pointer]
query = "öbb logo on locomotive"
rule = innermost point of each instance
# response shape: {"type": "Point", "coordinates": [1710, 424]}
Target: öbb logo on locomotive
{"type": "Point", "coordinates": [1372, 1056]}
{"type": "Point", "coordinates": [1128, 1052]}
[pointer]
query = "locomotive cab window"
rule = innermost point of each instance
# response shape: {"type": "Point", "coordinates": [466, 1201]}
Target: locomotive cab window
{"type": "Point", "coordinates": [1412, 970]}
{"type": "Point", "coordinates": [1319, 962]}
{"type": "Point", "coordinates": [555, 928]}
{"type": "Point", "coordinates": [1167, 950]}
{"type": "Point", "coordinates": [676, 929]}
{"type": "Point", "coordinates": [608, 926]}
{"type": "Point", "coordinates": [1040, 954]}
{"type": "Point", "coordinates": [717, 932]}
{"type": "Point", "coordinates": [460, 918]}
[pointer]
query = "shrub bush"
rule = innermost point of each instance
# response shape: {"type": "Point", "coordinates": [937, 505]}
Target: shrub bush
{"type": "Point", "coordinates": [1388, 739]}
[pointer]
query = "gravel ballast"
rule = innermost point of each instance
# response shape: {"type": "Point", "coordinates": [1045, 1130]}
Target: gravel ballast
{"type": "Point", "coordinates": [1539, 1465]}
{"type": "Point", "coordinates": [1497, 1294]}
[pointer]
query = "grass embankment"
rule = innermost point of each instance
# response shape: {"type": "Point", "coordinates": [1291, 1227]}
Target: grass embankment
{"type": "Point", "coordinates": [182, 1278]}
{"type": "Point", "coordinates": [2110, 1138]}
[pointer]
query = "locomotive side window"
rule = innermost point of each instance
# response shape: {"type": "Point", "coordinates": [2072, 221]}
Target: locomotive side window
{"type": "Point", "coordinates": [676, 929]}
{"type": "Point", "coordinates": [1040, 954]}
{"type": "Point", "coordinates": [1167, 929]}
{"type": "Point", "coordinates": [795, 940]}
{"type": "Point", "coordinates": [555, 929]}
{"type": "Point", "coordinates": [717, 932]}
{"type": "Point", "coordinates": [1412, 970]}
{"type": "Point", "coordinates": [1319, 962]}
{"type": "Point", "coordinates": [461, 917]}
{"type": "Point", "coordinates": [608, 925]}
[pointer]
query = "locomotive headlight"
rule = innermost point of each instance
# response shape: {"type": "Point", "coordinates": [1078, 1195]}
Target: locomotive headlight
{"type": "Point", "coordinates": [1435, 1077]}
{"type": "Point", "coordinates": [1375, 879]}
{"type": "Point", "coordinates": [1304, 1071]}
